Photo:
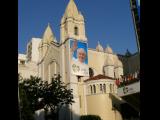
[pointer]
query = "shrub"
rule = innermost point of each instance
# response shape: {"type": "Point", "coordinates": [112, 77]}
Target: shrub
{"type": "Point", "coordinates": [90, 117]}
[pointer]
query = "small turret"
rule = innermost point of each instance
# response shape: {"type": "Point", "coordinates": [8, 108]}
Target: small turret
{"type": "Point", "coordinates": [109, 50]}
{"type": "Point", "coordinates": [99, 47]}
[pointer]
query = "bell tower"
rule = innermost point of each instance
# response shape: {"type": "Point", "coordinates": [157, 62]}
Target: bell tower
{"type": "Point", "coordinates": [72, 24]}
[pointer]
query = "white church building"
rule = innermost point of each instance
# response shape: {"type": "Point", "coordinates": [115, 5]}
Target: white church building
{"type": "Point", "coordinates": [92, 78]}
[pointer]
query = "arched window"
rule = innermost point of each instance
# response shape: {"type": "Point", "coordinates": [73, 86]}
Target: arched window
{"type": "Point", "coordinates": [104, 88]}
{"type": "Point", "coordinates": [76, 30]}
{"type": "Point", "coordinates": [110, 86]}
{"type": "Point", "coordinates": [113, 88]}
{"type": "Point", "coordinates": [91, 89]}
{"type": "Point", "coordinates": [94, 88]}
{"type": "Point", "coordinates": [91, 73]}
{"type": "Point", "coordinates": [101, 87]}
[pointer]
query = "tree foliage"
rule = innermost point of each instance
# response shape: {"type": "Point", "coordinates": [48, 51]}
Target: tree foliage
{"type": "Point", "coordinates": [90, 117]}
{"type": "Point", "coordinates": [36, 94]}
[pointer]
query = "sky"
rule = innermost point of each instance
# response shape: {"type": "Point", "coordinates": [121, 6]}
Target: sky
{"type": "Point", "coordinates": [107, 21]}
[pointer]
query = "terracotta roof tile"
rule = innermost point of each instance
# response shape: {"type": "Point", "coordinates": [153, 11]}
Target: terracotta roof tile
{"type": "Point", "coordinates": [98, 77]}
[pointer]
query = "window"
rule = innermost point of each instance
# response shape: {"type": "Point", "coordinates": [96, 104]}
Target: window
{"type": "Point", "coordinates": [29, 51]}
{"type": "Point", "coordinates": [104, 88]}
{"type": "Point", "coordinates": [22, 62]}
{"type": "Point", "coordinates": [100, 87]}
{"type": "Point", "coordinates": [91, 73]}
{"type": "Point", "coordinates": [114, 74]}
{"type": "Point", "coordinates": [80, 101]}
{"type": "Point", "coordinates": [94, 88]}
{"type": "Point", "coordinates": [79, 78]}
{"type": "Point", "coordinates": [113, 88]}
{"type": "Point", "coordinates": [110, 86]}
{"type": "Point", "coordinates": [76, 30]}
{"type": "Point", "coordinates": [91, 89]}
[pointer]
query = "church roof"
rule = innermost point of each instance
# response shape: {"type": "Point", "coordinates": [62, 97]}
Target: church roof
{"type": "Point", "coordinates": [48, 35]}
{"type": "Point", "coordinates": [98, 77]}
{"type": "Point", "coordinates": [71, 9]}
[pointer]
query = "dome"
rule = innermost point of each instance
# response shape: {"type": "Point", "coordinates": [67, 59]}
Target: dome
{"type": "Point", "coordinates": [115, 58]}
{"type": "Point", "coordinates": [108, 50]}
{"type": "Point", "coordinates": [99, 48]}
{"type": "Point", "coordinates": [119, 63]}
{"type": "Point", "coordinates": [109, 61]}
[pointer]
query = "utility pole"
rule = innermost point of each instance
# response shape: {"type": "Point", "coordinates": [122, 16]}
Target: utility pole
{"type": "Point", "coordinates": [134, 12]}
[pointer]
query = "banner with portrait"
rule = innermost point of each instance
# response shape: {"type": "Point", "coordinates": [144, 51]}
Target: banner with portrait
{"type": "Point", "coordinates": [79, 58]}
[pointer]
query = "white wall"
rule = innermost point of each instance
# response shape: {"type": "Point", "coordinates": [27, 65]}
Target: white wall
{"type": "Point", "coordinates": [28, 69]}
{"type": "Point", "coordinates": [35, 52]}
{"type": "Point", "coordinates": [21, 57]}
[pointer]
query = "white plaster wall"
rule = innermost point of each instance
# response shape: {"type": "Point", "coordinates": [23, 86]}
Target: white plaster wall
{"type": "Point", "coordinates": [52, 57]}
{"type": "Point", "coordinates": [28, 69]}
{"type": "Point", "coordinates": [35, 51]}
{"type": "Point", "coordinates": [21, 57]}
{"type": "Point", "coordinates": [96, 60]}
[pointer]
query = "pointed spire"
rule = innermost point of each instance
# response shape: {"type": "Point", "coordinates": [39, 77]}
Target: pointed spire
{"type": "Point", "coordinates": [108, 45]}
{"type": "Point", "coordinates": [81, 16]}
{"type": "Point", "coordinates": [99, 47]}
{"type": "Point", "coordinates": [108, 49]}
{"type": "Point", "coordinates": [48, 35]}
{"type": "Point", "coordinates": [71, 10]}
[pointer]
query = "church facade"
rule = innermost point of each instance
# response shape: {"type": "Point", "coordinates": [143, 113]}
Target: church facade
{"type": "Point", "coordinates": [93, 81]}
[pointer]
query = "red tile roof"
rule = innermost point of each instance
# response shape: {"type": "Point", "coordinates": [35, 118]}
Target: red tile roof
{"type": "Point", "coordinates": [98, 77]}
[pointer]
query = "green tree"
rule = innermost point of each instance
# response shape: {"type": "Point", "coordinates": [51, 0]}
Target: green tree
{"type": "Point", "coordinates": [43, 95]}
{"type": "Point", "coordinates": [55, 95]}
{"type": "Point", "coordinates": [25, 111]}
{"type": "Point", "coordinates": [24, 105]}
{"type": "Point", "coordinates": [90, 117]}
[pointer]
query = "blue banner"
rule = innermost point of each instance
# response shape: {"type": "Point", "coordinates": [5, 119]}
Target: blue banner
{"type": "Point", "coordinates": [79, 58]}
